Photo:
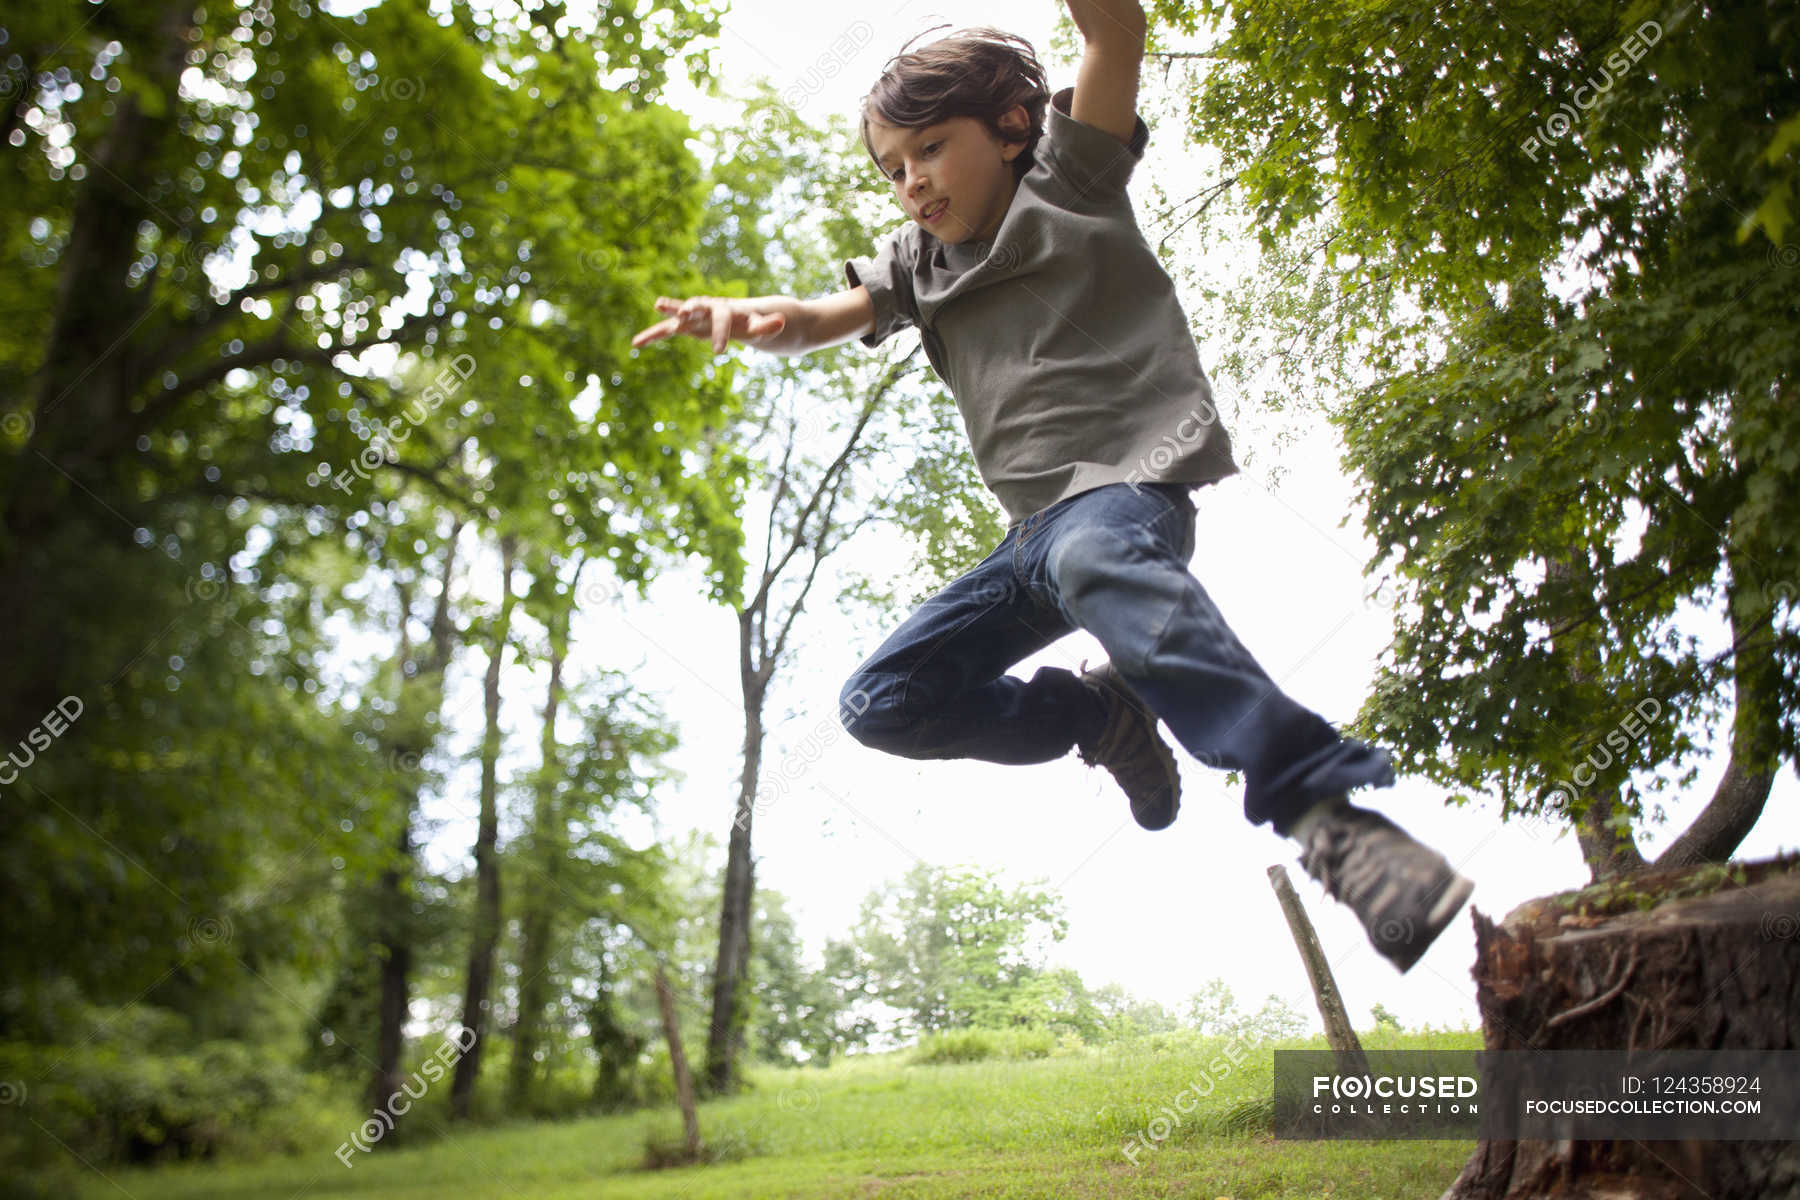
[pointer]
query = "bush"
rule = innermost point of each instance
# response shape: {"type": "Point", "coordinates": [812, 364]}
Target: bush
{"type": "Point", "coordinates": [113, 1102]}
{"type": "Point", "coordinates": [974, 1045]}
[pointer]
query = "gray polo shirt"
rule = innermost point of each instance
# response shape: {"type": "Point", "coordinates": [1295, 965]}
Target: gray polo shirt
{"type": "Point", "coordinates": [1062, 340]}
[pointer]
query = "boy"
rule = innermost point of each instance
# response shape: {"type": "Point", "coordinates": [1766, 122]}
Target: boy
{"type": "Point", "coordinates": [1051, 320]}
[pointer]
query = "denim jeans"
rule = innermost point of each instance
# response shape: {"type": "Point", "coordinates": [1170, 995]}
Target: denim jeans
{"type": "Point", "coordinates": [1112, 561]}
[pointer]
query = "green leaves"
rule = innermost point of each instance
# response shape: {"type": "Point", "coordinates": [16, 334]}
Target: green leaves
{"type": "Point", "coordinates": [1567, 368]}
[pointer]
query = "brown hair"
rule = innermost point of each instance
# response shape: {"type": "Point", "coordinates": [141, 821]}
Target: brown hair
{"type": "Point", "coordinates": [978, 73]}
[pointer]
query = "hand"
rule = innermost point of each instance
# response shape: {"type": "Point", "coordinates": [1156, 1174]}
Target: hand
{"type": "Point", "coordinates": [713, 317]}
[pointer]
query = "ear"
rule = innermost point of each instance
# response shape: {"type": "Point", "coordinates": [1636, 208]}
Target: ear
{"type": "Point", "coordinates": [1015, 125]}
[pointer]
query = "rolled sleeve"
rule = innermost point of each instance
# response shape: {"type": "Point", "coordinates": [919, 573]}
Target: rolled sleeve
{"type": "Point", "coordinates": [1091, 161]}
{"type": "Point", "coordinates": [888, 276]}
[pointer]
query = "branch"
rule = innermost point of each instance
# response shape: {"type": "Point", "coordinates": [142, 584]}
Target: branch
{"type": "Point", "coordinates": [889, 377]}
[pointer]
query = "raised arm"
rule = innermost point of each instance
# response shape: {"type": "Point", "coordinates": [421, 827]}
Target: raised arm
{"type": "Point", "coordinates": [777, 324]}
{"type": "Point", "coordinates": [1106, 84]}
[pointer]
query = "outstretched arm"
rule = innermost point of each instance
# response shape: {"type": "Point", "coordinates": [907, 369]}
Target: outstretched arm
{"type": "Point", "coordinates": [777, 324]}
{"type": "Point", "coordinates": [1106, 85]}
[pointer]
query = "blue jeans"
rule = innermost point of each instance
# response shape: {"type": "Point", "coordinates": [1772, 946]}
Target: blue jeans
{"type": "Point", "coordinates": [1112, 561]}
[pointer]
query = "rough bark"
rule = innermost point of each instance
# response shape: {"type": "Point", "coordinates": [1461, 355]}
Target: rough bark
{"type": "Point", "coordinates": [1705, 968]}
{"type": "Point", "coordinates": [1338, 1030]}
{"type": "Point", "coordinates": [487, 868]}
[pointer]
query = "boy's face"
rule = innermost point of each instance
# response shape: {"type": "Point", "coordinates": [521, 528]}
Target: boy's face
{"type": "Point", "coordinates": [955, 178]}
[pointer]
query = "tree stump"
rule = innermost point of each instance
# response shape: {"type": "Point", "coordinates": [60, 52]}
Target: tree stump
{"type": "Point", "coordinates": [1693, 958]}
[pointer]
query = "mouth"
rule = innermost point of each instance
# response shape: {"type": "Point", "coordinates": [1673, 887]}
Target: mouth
{"type": "Point", "coordinates": [933, 211]}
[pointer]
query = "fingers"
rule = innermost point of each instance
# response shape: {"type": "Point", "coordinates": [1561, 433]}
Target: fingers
{"type": "Point", "coordinates": [721, 324]}
{"type": "Point", "coordinates": [654, 333]}
{"type": "Point", "coordinates": [709, 317]}
{"type": "Point", "coordinates": [764, 325]}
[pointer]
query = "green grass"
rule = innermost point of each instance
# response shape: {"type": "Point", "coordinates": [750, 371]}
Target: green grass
{"type": "Point", "coordinates": [1051, 1126]}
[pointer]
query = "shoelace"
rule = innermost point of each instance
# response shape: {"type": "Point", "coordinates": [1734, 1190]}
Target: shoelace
{"type": "Point", "coordinates": [1331, 857]}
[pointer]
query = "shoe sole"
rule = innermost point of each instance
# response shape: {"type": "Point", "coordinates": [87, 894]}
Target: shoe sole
{"type": "Point", "coordinates": [1158, 815]}
{"type": "Point", "coordinates": [1436, 921]}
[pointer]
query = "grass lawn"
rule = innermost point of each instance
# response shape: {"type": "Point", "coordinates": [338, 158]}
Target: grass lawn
{"type": "Point", "coordinates": [1102, 1121]}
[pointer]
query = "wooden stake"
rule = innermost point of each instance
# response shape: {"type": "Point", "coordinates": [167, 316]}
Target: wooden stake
{"type": "Point", "coordinates": [1343, 1039]}
{"type": "Point", "coordinates": [684, 1083]}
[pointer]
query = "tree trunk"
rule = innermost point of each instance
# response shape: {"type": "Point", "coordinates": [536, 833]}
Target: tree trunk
{"type": "Point", "coordinates": [487, 869]}
{"type": "Point", "coordinates": [725, 1034]}
{"type": "Point", "coordinates": [814, 527]}
{"type": "Point", "coordinates": [395, 949]}
{"type": "Point", "coordinates": [537, 920]}
{"type": "Point", "coordinates": [1591, 971]}
{"type": "Point", "coordinates": [394, 896]}
{"type": "Point", "coordinates": [1738, 801]}
{"type": "Point", "coordinates": [84, 386]}
{"type": "Point", "coordinates": [684, 1084]}
{"type": "Point", "coordinates": [1338, 1031]}
{"type": "Point", "coordinates": [1609, 852]}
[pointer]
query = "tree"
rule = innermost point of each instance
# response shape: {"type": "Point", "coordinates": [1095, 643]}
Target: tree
{"type": "Point", "coordinates": [418, 706]}
{"type": "Point", "coordinates": [1214, 1011]}
{"type": "Point", "coordinates": [1544, 242]}
{"type": "Point", "coordinates": [823, 432]}
{"type": "Point", "coordinates": [951, 946]}
{"type": "Point", "coordinates": [576, 868]}
{"type": "Point", "coordinates": [236, 237]}
{"type": "Point", "coordinates": [799, 1014]}
{"type": "Point", "coordinates": [485, 935]}
{"type": "Point", "coordinates": [1123, 1015]}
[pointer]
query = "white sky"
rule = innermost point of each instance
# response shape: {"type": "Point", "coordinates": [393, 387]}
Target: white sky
{"type": "Point", "coordinates": [1159, 913]}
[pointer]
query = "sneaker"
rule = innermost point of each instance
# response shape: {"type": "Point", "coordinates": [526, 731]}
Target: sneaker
{"type": "Point", "coordinates": [1132, 750]}
{"type": "Point", "coordinates": [1404, 892]}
